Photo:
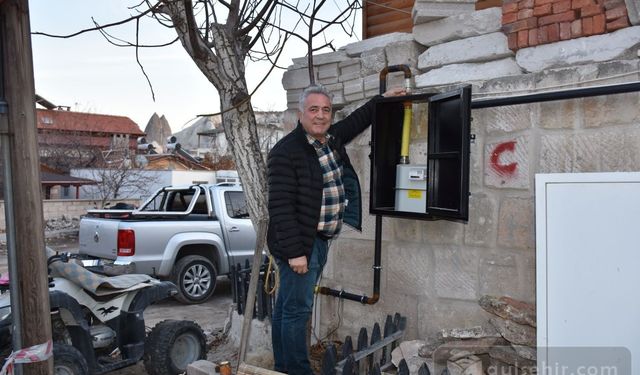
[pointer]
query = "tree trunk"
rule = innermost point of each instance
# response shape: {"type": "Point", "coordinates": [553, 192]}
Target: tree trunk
{"type": "Point", "coordinates": [30, 279]}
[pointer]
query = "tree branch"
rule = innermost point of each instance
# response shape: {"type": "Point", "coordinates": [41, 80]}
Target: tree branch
{"type": "Point", "coordinates": [269, 6]}
{"type": "Point", "coordinates": [151, 9]}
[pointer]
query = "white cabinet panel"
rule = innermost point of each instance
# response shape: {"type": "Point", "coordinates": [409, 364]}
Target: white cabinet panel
{"type": "Point", "coordinates": [588, 270]}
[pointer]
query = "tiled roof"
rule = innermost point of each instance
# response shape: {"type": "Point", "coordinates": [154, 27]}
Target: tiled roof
{"type": "Point", "coordinates": [86, 122]}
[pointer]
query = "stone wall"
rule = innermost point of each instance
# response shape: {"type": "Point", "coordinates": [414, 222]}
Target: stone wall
{"type": "Point", "coordinates": [63, 214]}
{"type": "Point", "coordinates": [434, 272]}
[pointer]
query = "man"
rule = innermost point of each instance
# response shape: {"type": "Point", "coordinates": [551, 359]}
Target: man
{"type": "Point", "coordinates": [313, 189]}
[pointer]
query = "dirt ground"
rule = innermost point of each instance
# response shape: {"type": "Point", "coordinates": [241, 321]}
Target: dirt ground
{"type": "Point", "coordinates": [211, 315]}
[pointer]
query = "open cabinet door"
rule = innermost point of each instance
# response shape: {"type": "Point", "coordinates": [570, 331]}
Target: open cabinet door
{"type": "Point", "coordinates": [448, 156]}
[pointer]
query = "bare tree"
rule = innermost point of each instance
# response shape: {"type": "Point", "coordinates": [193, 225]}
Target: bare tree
{"type": "Point", "coordinates": [120, 181]}
{"type": "Point", "coordinates": [221, 36]}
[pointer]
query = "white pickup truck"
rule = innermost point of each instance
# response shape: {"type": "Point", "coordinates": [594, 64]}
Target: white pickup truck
{"type": "Point", "coordinates": [187, 234]}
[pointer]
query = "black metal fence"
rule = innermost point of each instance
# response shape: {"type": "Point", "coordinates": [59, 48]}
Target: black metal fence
{"type": "Point", "coordinates": [369, 357]}
{"type": "Point", "coordinates": [240, 277]}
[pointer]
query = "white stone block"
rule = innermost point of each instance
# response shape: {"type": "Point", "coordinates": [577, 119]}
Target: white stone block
{"type": "Point", "coordinates": [458, 27]}
{"type": "Point", "coordinates": [468, 72]}
{"type": "Point", "coordinates": [373, 61]}
{"type": "Point", "coordinates": [328, 71]}
{"type": "Point", "coordinates": [596, 48]}
{"type": "Point", "coordinates": [405, 52]}
{"type": "Point", "coordinates": [353, 87]}
{"type": "Point", "coordinates": [633, 10]}
{"type": "Point", "coordinates": [355, 49]}
{"type": "Point", "coordinates": [429, 10]}
{"type": "Point", "coordinates": [475, 49]}
{"type": "Point", "coordinates": [295, 79]}
{"type": "Point", "coordinates": [456, 273]}
{"type": "Point", "coordinates": [372, 84]}
{"type": "Point", "coordinates": [320, 59]}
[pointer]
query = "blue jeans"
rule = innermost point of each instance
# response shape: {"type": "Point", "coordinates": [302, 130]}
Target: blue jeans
{"type": "Point", "coordinates": [292, 311]}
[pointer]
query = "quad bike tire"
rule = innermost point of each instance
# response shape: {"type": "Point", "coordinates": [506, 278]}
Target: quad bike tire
{"type": "Point", "coordinates": [172, 345]}
{"type": "Point", "coordinates": [68, 360]}
{"type": "Point", "coordinates": [195, 277]}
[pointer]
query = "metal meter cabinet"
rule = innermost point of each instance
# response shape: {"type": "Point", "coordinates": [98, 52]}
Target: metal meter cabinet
{"type": "Point", "coordinates": [447, 181]}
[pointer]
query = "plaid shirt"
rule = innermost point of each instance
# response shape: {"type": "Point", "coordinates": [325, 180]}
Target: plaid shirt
{"type": "Point", "coordinates": [333, 196]}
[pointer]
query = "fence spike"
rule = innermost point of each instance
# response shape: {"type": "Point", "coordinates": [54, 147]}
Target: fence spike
{"type": "Point", "coordinates": [375, 334]}
{"type": "Point", "coordinates": [362, 339]}
{"type": "Point", "coordinates": [329, 360]}
{"type": "Point", "coordinates": [350, 366]}
{"type": "Point", "coordinates": [396, 321]}
{"type": "Point", "coordinates": [388, 326]}
{"type": "Point", "coordinates": [424, 370]}
{"type": "Point", "coordinates": [347, 347]}
{"type": "Point", "coordinates": [402, 325]}
{"type": "Point", "coordinates": [403, 369]}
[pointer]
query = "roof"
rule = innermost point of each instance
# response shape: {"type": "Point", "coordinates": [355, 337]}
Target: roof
{"type": "Point", "coordinates": [172, 162]}
{"type": "Point", "coordinates": [86, 122]}
{"type": "Point", "coordinates": [50, 178]}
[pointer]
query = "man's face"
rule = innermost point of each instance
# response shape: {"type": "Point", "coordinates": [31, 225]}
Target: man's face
{"type": "Point", "coordinates": [316, 117]}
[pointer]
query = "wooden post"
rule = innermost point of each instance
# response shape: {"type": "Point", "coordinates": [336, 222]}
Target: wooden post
{"type": "Point", "coordinates": [19, 93]}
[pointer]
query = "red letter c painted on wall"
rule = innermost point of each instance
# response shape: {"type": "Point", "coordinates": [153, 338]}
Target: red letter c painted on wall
{"type": "Point", "coordinates": [503, 169]}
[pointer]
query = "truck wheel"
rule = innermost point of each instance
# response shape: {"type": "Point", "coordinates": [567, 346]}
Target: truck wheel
{"type": "Point", "coordinates": [195, 277]}
{"type": "Point", "coordinates": [172, 345]}
{"type": "Point", "coordinates": [68, 360]}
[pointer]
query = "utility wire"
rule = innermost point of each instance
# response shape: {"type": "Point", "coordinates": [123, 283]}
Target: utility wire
{"type": "Point", "coordinates": [370, 2]}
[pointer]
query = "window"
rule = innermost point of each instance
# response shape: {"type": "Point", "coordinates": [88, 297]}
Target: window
{"type": "Point", "coordinates": [236, 205]}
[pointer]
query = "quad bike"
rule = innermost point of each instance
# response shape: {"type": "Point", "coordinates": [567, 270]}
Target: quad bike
{"type": "Point", "coordinates": [98, 324]}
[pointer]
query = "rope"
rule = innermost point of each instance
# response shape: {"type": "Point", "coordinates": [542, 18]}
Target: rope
{"type": "Point", "coordinates": [276, 283]}
{"type": "Point", "coordinates": [32, 354]}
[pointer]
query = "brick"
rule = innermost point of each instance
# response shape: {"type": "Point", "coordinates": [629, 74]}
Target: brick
{"type": "Point", "coordinates": [543, 37]}
{"type": "Point", "coordinates": [533, 37]}
{"type": "Point", "coordinates": [617, 24]}
{"type": "Point", "coordinates": [610, 4]}
{"type": "Point", "coordinates": [577, 4]}
{"type": "Point", "coordinates": [556, 18]}
{"type": "Point", "coordinates": [542, 10]}
{"type": "Point", "coordinates": [543, 2]}
{"type": "Point", "coordinates": [525, 13]}
{"type": "Point", "coordinates": [525, 24]}
{"type": "Point", "coordinates": [509, 8]}
{"type": "Point", "coordinates": [561, 6]}
{"type": "Point", "coordinates": [576, 29]}
{"type": "Point", "coordinates": [565, 30]}
{"type": "Point", "coordinates": [525, 4]}
{"type": "Point", "coordinates": [508, 18]}
{"type": "Point", "coordinates": [553, 31]}
{"type": "Point", "coordinates": [512, 40]}
{"type": "Point", "coordinates": [591, 10]}
{"type": "Point", "coordinates": [523, 38]}
{"type": "Point", "coordinates": [617, 12]}
{"type": "Point", "coordinates": [599, 24]}
{"type": "Point", "coordinates": [587, 26]}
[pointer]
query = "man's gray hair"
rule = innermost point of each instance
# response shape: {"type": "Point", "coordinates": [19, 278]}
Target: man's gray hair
{"type": "Point", "coordinates": [313, 89]}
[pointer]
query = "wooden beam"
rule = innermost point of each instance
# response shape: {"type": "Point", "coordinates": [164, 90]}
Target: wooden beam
{"type": "Point", "coordinates": [405, 25]}
{"type": "Point", "coordinates": [381, 7]}
{"type": "Point", "coordinates": [19, 91]}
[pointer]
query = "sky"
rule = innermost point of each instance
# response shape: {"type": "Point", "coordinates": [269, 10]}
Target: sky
{"type": "Point", "coordinates": [88, 74]}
